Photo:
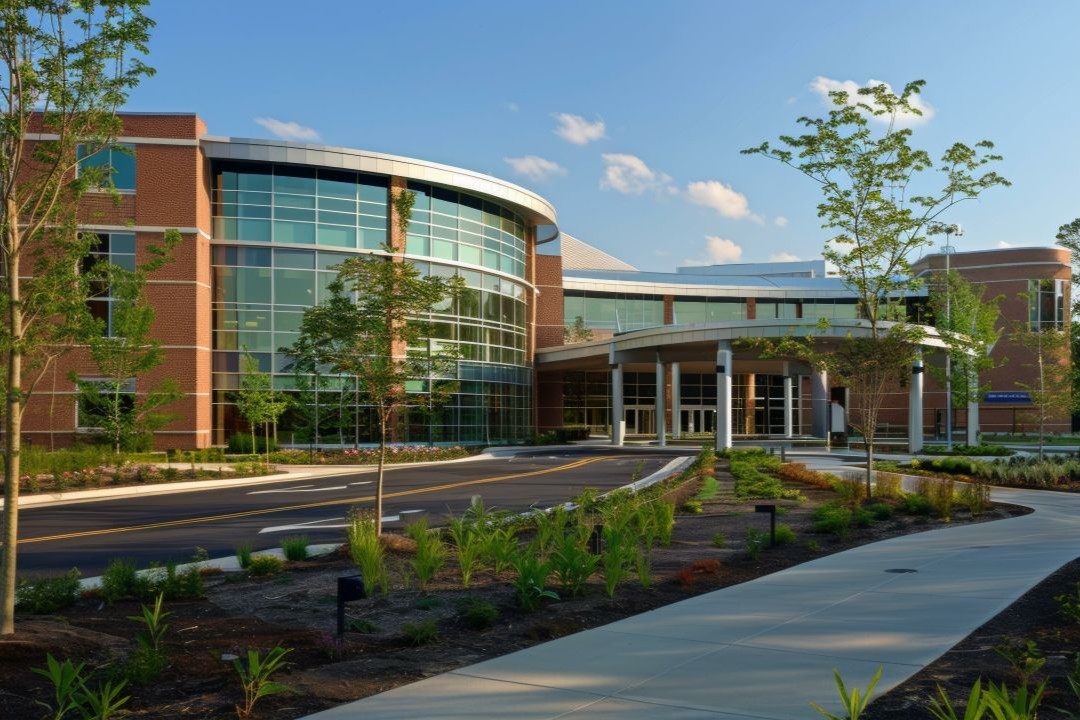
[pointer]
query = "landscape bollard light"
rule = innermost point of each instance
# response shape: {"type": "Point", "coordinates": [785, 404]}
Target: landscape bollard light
{"type": "Point", "coordinates": [771, 509]}
{"type": "Point", "coordinates": [783, 455]}
{"type": "Point", "coordinates": [349, 588]}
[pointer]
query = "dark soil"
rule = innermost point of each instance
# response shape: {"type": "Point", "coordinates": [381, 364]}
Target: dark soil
{"type": "Point", "coordinates": [297, 610]}
{"type": "Point", "coordinates": [1034, 616]}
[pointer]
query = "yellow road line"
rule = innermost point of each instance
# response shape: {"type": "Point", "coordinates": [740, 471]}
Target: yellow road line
{"type": "Point", "coordinates": [305, 506]}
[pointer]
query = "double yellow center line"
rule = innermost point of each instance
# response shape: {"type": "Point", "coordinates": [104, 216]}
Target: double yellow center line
{"type": "Point", "coordinates": [305, 506]}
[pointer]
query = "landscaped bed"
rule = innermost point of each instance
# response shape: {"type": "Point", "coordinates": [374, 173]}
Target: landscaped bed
{"type": "Point", "coordinates": [427, 623]}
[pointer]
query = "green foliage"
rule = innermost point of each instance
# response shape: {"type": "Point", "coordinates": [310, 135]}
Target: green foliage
{"type": "Point", "coordinates": [880, 511]}
{"type": "Point", "coordinates": [1023, 656]}
{"type": "Point", "coordinates": [694, 507]}
{"type": "Point", "coordinates": [255, 677]}
{"type": "Point", "coordinates": [1021, 705]}
{"type": "Point", "coordinates": [420, 633]}
{"type": "Point", "coordinates": [265, 565]}
{"type": "Point", "coordinates": [431, 552]}
{"type": "Point", "coordinates": [149, 659]}
{"type": "Point", "coordinates": [853, 701]}
{"type": "Point", "coordinates": [1048, 349]}
{"type": "Point", "coordinates": [832, 518]}
{"type": "Point", "coordinates": [500, 547]}
{"type": "Point", "coordinates": [469, 543]}
{"type": "Point", "coordinates": [243, 554]}
{"type": "Point", "coordinates": [572, 564]}
{"type": "Point", "coordinates": [710, 488]}
{"type": "Point", "coordinates": [976, 496]}
{"type": "Point", "coordinates": [942, 496]}
{"type": "Point", "coordinates": [784, 534]}
{"type": "Point", "coordinates": [531, 575]}
{"type": "Point", "coordinates": [48, 594]}
{"type": "Point", "coordinates": [257, 401]}
{"type": "Point", "coordinates": [1069, 605]}
{"type": "Point", "coordinates": [620, 554]}
{"type": "Point", "coordinates": [121, 580]}
{"type": "Point", "coordinates": [428, 602]}
{"type": "Point", "coordinates": [982, 449]}
{"type": "Point", "coordinates": [752, 470]}
{"type": "Point", "coordinates": [914, 504]}
{"type": "Point", "coordinates": [240, 444]}
{"type": "Point", "coordinates": [663, 514]}
{"type": "Point", "coordinates": [477, 613]}
{"type": "Point", "coordinates": [719, 540]}
{"type": "Point", "coordinates": [887, 486]}
{"type": "Point", "coordinates": [577, 332]}
{"type": "Point", "coordinates": [295, 547]}
{"type": "Point", "coordinates": [756, 540]}
{"type": "Point", "coordinates": [67, 681]}
{"type": "Point", "coordinates": [365, 627]}
{"type": "Point", "coordinates": [104, 702]}
{"type": "Point", "coordinates": [367, 554]}
{"type": "Point", "coordinates": [942, 708]}
{"type": "Point", "coordinates": [851, 490]}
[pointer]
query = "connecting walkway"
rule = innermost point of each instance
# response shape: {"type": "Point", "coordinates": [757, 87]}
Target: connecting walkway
{"type": "Point", "coordinates": [767, 648]}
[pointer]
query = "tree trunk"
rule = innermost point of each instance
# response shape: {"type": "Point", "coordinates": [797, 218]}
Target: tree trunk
{"type": "Point", "coordinates": [254, 445]}
{"type": "Point", "coordinates": [379, 481]}
{"type": "Point", "coordinates": [13, 426]}
{"type": "Point", "coordinates": [266, 435]}
{"type": "Point", "coordinates": [869, 467]}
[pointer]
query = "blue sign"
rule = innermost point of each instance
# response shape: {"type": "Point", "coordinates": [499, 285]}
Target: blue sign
{"type": "Point", "coordinates": [1008, 397]}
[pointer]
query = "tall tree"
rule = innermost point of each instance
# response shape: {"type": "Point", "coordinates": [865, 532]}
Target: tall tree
{"type": "Point", "coordinates": [123, 348]}
{"type": "Point", "coordinates": [967, 322]}
{"type": "Point", "coordinates": [1050, 382]}
{"type": "Point", "coordinates": [68, 66]}
{"type": "Point", "coordinates": [875, 200]}
{"type": "Point", "coordinates": [372, 330]}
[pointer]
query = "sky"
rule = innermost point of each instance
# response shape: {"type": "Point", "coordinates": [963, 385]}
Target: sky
{"type": "Point", "coordinates": [629, 116]}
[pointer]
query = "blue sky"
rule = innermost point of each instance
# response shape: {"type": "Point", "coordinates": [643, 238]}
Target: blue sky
{"type": "Point", "coordinates": [655, 101]}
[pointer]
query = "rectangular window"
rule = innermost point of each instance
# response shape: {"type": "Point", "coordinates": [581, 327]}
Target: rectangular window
{"type": "Point", "coordinates": [1046, 304]}
{"type": "Point", "coordinates": [115, 164]}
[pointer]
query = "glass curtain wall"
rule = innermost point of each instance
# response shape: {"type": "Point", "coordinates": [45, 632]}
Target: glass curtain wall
{"type": "Point", "coordinates": [613, 311]}
{"type": "Point", "coordinates": [261, 291]}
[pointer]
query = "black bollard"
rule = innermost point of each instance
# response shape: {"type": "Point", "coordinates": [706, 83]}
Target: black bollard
{"type": "Point", "coordinates": [349, 588]}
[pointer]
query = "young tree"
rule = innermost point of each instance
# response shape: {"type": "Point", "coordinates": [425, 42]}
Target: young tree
{"type": "Point", "coordinates": [123, 349]}
{"type": "Point", "coordinates": [1049, 389]}
{"type": "Point", "coordinates": [67, 68]}
{"type": "Point", "coordinates": [968, 323]}
{"type": "Point", "coordinates": [371, 331]}
{"type": "Point", "coordinates": [578, 332]}
{"type": "Point", "coordinates": [873, 199]}
{"type": "Point", "coordinates": [258, 402]}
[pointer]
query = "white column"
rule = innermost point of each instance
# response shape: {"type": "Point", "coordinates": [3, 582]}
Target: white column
{"type": "Point", "coordinates": [661, 425]}
{"type": "Point", "coordinates": [973, 410]}
{"type": "Point", "coordinates": [676, 402]}
{"type": "Point", "coordinates": [819, 404]}
{"type": "Point", "coordinates": [789, 405]}
{"type": "Point", "coordinates": [915, 406]}
{"type": "Point", "coordinates": [618, 414]}
{"type": "Point", "coordinates": [724, 359]}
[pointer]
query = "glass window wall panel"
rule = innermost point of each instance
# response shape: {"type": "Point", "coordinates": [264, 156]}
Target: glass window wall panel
{"type": "Point", "coordinates": [337, 236]}
{"type": "Point", "coordinates": [299, 259]}
{"type": "Point", "coordinates": [294, 287]}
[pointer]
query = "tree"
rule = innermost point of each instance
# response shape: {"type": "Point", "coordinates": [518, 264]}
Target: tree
{"type": "Point", "coordinates": [258, 402]}
{"type": "Point", "coordinates": [123, 349]}
{"type": "Point", "coordinates": [67, 68]}
{"type": "Point", "coordinates": [371, 330]}
{"type": "Point", "coordinates": [1049, 389]}
{"type": "Point", "coordinates": [968, 323]}
{"type": "Point", "coordinates": [578, 332]}
{"type": "Point", "coordinates": [872, 200]}
{"type": "Point", "coordinates": [1068, 236]}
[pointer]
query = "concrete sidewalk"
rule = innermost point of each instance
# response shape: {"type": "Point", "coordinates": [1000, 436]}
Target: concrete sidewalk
{"type": "Point", "coordinates": [767, 648]}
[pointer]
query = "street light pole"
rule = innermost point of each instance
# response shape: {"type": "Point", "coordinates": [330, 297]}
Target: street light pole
{"type": "Point", "coordinates": [948, 250]}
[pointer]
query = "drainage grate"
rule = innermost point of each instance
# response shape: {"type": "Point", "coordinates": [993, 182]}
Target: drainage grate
{"type": "Point", "coordinates": [901, 570]}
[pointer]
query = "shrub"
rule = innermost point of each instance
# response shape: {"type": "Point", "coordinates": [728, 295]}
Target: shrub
{"type": "Point", "coordinates": [420, 633]}
{"type": "Point", "coordinates": [710, 488]}
{"type": "Point", "coordinates": [751, 482]}
{"type": "Point", "coordinates": [812, 545]}
{"type": "Point", "coordinates": [663, 515]}
{"type": "Point", "coordinates": [367, 554]}
{"type": "Point", "coordinates": [500, 548]}
{"type": "Point", "coordinates": [47, 594]}
{"type": "Point", "coordinates": [861, 517]}
{"type": "Point", "coordinates": [121, 580]}
{"type": "Point", "coordinates": [184, 585]}
{"type": "Point", "coordinates": [756, 540]}
{"type": "Point", "coordinates": [619, 556]}
{"type": "Point", "coordinates": [255, 676]}
{"type": "Point", "coordinates": [851, 488]}
{"type": "Point", "coordinates": [470, 547]}
{"type": "Point", "coordinates": [880, 511]}
{"type": "Point", "coordinates": [148, 660]}
{"type": "Point", "coordinates": [295, 547]}
{"type": "Point", "coordinates": [975, 495]}
{"type": "Point", "coordinates": [478, 614]}
{"type": "Point", "coordinates": [942, 496]}
{"type": "Point", "coordinates": [365, 627]}
{"type": "Point", "coordinates": [832, 518]}
{"type": "Point", "coordinates": [265, 565]}
{"type": "Point", "coordinates": [431, 552]}
{"type": "Point", "coordinates": [240, 444]}
{"type": "Point", "coordinates": [243, 555]}
{"type": "Point", "coordinates": [693, 506]}
{"type": "Point", "coordinates": [784, 534]}
{"type": "Point", "coordinates": [914, 504]}
{"type": "Point", "coordinates": [887, 486]}
{"type": "Point", "coordinates": [719, 540]}
{"type": "Point", "coordinates": [1069, 605]}
{"type": "Point", "coordinates": [798, 472]}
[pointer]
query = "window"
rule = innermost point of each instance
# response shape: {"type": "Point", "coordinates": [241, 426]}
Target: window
{"type": "Point", "coordinates": [1046, 304]}
{"type": "Point", "coordinates": [115, 248]}
{"type": "Point", "coordinates": [116, 163]}
{"type": "Point", "coordinates": [94, 407]}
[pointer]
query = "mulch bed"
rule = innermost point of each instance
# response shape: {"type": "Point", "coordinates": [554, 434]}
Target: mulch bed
{"type": "Point", "coordinates": [297, 610]}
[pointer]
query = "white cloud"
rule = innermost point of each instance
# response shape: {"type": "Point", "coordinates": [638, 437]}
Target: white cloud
{"type": "Point", "coordinates": [783, 257]}
{"type": "Point", "coordinates": [513, 107]}
{"type": "Point", "coordinates": [628, 174]}
{"type": "Point", "coordinates": [823, 86]}
{"type": "Point", "coordinates": [780, 221]}
{"type": "Point", "coordinates": [578, 130]}
{"type": "Point", "coordinates": [718, 251]}
{"type": "Point", "coordinates": [722, 198]}
{"type": "Point", "coordinates": [287, 130]}
{"type": "Point", "coordinates": [1002, 244]}
{"type": "Point", "coordinates": [535, 167]}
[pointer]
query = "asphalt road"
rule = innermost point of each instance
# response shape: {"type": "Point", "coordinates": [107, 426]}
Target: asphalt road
{"type": "Point", "coordinates": [169, 527]}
